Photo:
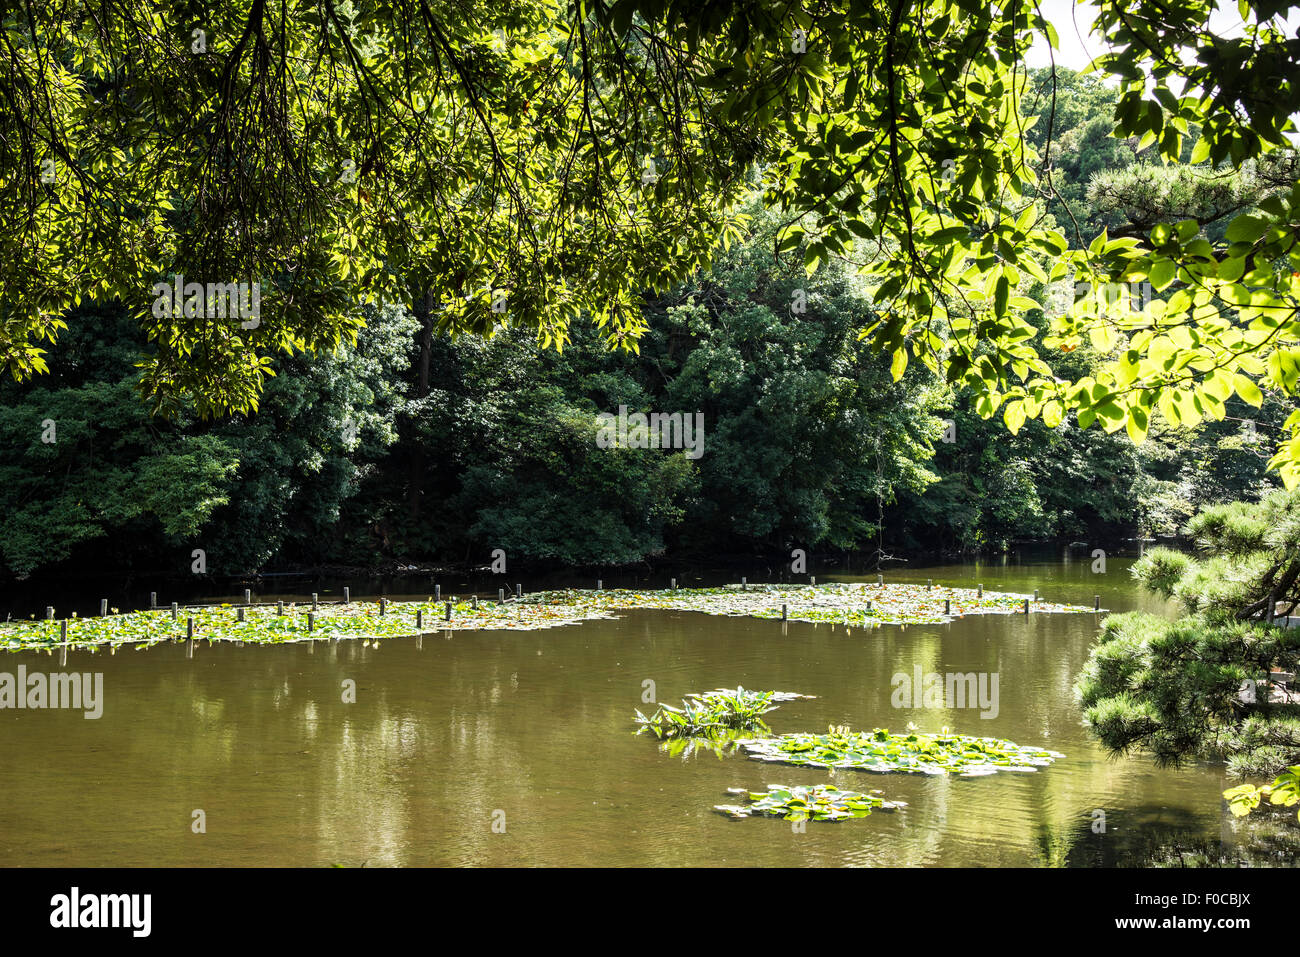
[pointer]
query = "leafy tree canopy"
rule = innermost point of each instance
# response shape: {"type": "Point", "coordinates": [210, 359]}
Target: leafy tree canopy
{"type": "Point", "coordinates": [559, 159]}
{"type": "Point", "coordinates": [460, 155]}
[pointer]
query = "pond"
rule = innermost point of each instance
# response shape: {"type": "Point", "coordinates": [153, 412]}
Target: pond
{"type": "Point", "coordinates": [517, 748]}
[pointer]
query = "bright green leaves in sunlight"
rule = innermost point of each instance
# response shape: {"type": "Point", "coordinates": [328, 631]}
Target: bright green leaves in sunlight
{"type": "Point", "coordinates": [899, 142]}
{"type": "Point", "coordinates": [536, 163]}
{"type": "Point", "coordinates": [1283, 792]}
{"type": "Point", "coordinates": [523, 164]}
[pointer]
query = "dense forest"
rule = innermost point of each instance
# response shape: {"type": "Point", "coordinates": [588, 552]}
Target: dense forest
{"type": "Point", "coordinates": [413, 446]}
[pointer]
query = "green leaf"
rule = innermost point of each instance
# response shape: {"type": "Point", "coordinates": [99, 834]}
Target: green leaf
{"type": "Point", "coordinates": [1014, 415]}
{"type": "Point", "coordinates": [1248, 390]}
{"type": "Point", "coordinates": [1246, 229]}
{"type": "Point", "coordinates": [899, 364]}
{"type": "Point", "coordinates": [1162, 273]}
{"type": "Point", "coordinates": [1136, 425]}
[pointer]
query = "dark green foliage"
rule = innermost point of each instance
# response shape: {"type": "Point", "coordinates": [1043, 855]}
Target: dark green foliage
{"type": "Point", "coordinates": [322, 425]}
{"type": "Point", "coordinates": [1161, 569]}
{"type": "Point", "coordinates": [1174, 689]}
{"type": "Point", "coordinates": [1040, 484]}
{"type": "Point", "coordinates": [807, 437]}
{"type": "Point", "coordinates": [148, 492]}
{"type": "Point", "coordinates": [1199, 687]}
{"type": "Point", "coordinates": [1250, 563]}
{"type": "Point", "coordinates": [414, 446]}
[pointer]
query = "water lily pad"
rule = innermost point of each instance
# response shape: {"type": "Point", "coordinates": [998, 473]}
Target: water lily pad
{"type": "Point", "coordinates": [819, 802]}
{"type": "Point", "coordinates": [880, 751]}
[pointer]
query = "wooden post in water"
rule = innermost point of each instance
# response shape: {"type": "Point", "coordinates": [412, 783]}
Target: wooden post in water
{"type": "Point", "coordinates": [241, 615]}
{"type": "Point", "coordinates": [812, 580]}
{"type": "Point", "coordinates": [744, 585]}
{"type": "Point", "coordinates": [473, 602]}
{"type": "Point", "coordinates": [868, 606]}
{"type": "Point", "coordinates": [315, 601]}
{"type": "Point", "coordinates": [947, 606]}
{"type": "Point", "coordinates": [63, 649]}
{"type": "Point", "coordinates": [929, 583]}
{"type": "Point", "coordinates": [1026, 606]}
{"type": "Point", "coordinates": [674, 584]}
{"type": "Point", "coordinates": [880, 580]}
{"type": "Point", "coordinates": [383, 606]}
{"type": "Point", "coordinates": [419, 619]}
{"type": "Point", "coordinates": [448, 611]}
{"type": "Point", "coordinates": [784, 613]}
{"type": "Point", "coordinates": [1035, 594]}
{"type": "Point", "coordinates": [103, 607]}
{"type": "Point", "coordinates": [980, 591]}
{"type": "Point", "coordinates": [279, 608]}
{"type": "Point", "coordinates": [501, 595]}
{"type": "Point", "coordinates": [248, 596]}
{"type": "Point", "coordinates": [189, 627]}
{"type": "Point", "coordinates": [311, 621]}
{"type": "Point", "coordinates": [153, 599]}
{"type": "Point", "coordinates": [437, 593]}
{"type": "Point", "coordinates": [519, 591]}
{"type": "Point", "coordinates": [600, 584]}
{"type": "Point", "coordinates": [1096, 603]}
{"type": "Point", "coordinates": [347, 595]}
{"type": "Point", "coordinates": [49, 612]}
{"type": "Point", "coordinates": [175, 611]}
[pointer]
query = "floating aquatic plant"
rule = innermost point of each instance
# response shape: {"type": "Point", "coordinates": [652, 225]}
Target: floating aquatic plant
{"type": "Point", "coordinates": [854, 605]}
{"type": "Point", "coordinates": [913, 752]}
{"type": "Point", "coordinates": [820, 802]}
{"type": "Point", "coordinates": [266, 624]}
{"type": "Point", "coordinates": [710, 712]}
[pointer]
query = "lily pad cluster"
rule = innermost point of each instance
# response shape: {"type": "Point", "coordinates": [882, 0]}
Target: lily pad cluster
{"type": "Point", "coordinates": [267, 624]}
{"type": "Point", "coordinates": [911, 752]}
{"type": "Point", "coordinates": [714, 713]}
{"type": "Point", "coordinates": [716, 720]}
{"type": "Point", "coordinates": [849, 604]}
{"type": "Point", "coordinates": [820, 802]}
{"type": "Point", "coordinates": [852, 604]}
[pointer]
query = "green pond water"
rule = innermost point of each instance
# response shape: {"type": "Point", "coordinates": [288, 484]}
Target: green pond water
{"type": "Point", "coordinates": [517, 748]}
